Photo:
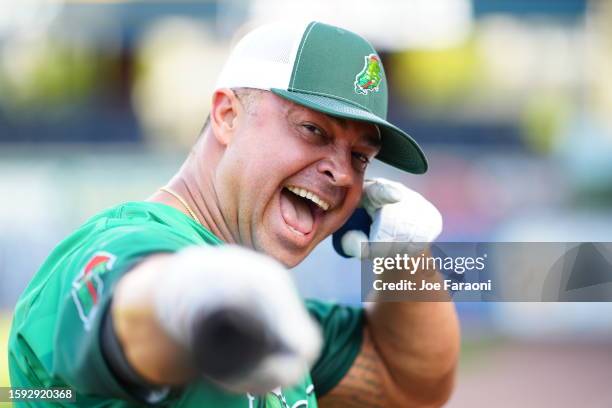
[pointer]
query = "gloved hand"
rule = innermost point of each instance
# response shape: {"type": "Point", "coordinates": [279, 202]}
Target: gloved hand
{"type": "Point", "coordinates": [238, 313]}
{"type": "Point", "coordinates": [398, 214]}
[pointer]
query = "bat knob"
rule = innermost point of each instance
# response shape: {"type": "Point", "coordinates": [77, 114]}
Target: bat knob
{"type": "Point", "coordinates": [360, 220]}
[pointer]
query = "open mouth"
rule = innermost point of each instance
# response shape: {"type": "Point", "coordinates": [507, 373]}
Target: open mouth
{"type": "Point", "coordinates": [300, 208]}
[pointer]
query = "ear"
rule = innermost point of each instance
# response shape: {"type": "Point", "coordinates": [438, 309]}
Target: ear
{"type": "Point", "coordinates": [223, 114]}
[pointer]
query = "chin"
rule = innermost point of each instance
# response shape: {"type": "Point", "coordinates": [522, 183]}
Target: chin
{"type": "Point", "coordinates": [290, 261]}
{"type": "Point", "coordinates": [288, 256]}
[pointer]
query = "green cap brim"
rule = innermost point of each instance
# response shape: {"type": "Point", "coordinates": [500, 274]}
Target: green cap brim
{"type": "Point", "coordinates": [398, 148]}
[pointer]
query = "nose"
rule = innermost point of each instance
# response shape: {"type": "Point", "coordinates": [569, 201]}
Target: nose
{"type": "Point", "coordinates": [338, 170]}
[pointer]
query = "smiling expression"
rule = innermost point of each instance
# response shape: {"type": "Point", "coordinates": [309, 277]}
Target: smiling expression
{"type": "Point", "coordinates": [290, 176]}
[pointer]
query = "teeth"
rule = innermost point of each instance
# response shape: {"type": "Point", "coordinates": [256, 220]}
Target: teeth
{"type": "Point", "coordinates": [309, 195]}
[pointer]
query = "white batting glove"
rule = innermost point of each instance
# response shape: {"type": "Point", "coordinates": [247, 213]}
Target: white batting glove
{"type": "Point", "coordinates": [239, 314]}
{"type": "Point", "coordinates": [398, 214]}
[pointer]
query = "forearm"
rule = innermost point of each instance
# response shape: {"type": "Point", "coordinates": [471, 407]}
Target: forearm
{"type": "Point", "coordinates": [398, 368]}
{"type": "Point", "coordinates": [149, 350]}
{"type": "Point", "coordinates": [418, 343]}
{"type": "Point", "coordinates": [415, 344]}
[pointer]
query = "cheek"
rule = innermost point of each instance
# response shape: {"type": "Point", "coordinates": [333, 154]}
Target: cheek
{"type": "Point", "coordinates": [272, 148]}
{"type": "Point", "coordinates": [254, 171]}
{"type": "Point", "coordinates": [279, 160]}
{"type": "Point", "coordinates": [354, 198]}
{"type": "Point", "coordinates": [351, 202]}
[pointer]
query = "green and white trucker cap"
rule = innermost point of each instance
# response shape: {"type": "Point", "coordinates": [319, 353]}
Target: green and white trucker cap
{"type": "Point", "coordinates": [325, 68]}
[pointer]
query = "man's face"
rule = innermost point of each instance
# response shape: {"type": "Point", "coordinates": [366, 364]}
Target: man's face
{"type": "Point", "coordinates": [279, 152]}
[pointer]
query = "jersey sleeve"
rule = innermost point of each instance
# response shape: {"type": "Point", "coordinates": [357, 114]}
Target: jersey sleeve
{"type": "Point", "coordinates": [342, 329]}
{"type": "Point", "coordinates": [90, 277]}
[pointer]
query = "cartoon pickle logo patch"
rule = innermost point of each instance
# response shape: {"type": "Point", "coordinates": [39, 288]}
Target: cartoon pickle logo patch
{"type": "Point", "coordinates": [369, 78]}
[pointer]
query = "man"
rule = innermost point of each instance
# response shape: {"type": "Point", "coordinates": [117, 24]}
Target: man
{"type": "Point", "coordinates": [173, 302]}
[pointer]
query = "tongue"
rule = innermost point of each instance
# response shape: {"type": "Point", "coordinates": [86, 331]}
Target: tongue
{"type": "Point", "coordinates": [296, 212]}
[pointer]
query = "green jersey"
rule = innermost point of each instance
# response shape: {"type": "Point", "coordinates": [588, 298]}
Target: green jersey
{"type": "Point", "coordinates": [55, 337]}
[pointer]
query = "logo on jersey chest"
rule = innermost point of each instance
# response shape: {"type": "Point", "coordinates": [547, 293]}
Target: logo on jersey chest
{"type": "Point", "coordinates": [277, 399]}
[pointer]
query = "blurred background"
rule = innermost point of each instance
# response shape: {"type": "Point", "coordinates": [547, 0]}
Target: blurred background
{"type": "Point", "coordinates": [510, 99]}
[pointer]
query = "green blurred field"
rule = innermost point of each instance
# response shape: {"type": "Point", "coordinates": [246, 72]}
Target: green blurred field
{"type": "Point", "coordinates": [5, 322]}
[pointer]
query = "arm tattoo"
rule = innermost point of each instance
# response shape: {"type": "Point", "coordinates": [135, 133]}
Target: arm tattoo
{"type": "Point", "coordinates": [363, 386]}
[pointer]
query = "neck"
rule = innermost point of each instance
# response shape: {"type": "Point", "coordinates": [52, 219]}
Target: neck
{"type": "Point", "coordinates": [199, 195]}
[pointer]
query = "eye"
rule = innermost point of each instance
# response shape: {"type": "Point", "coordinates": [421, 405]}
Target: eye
{"type": "Point", "coordinates": [313, 131]}
{"type": "Point", "coordinates": [362, 160]}
{"type": "Point", "coordinates": [312, 128]}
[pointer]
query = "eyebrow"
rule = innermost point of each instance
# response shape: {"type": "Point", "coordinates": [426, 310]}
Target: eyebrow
{"type": "Point", "coordinates": [373, 140]}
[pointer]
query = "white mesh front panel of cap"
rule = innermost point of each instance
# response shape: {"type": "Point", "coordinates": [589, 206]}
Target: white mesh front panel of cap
{"type": "Point", "coordinates": [263, 58]}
